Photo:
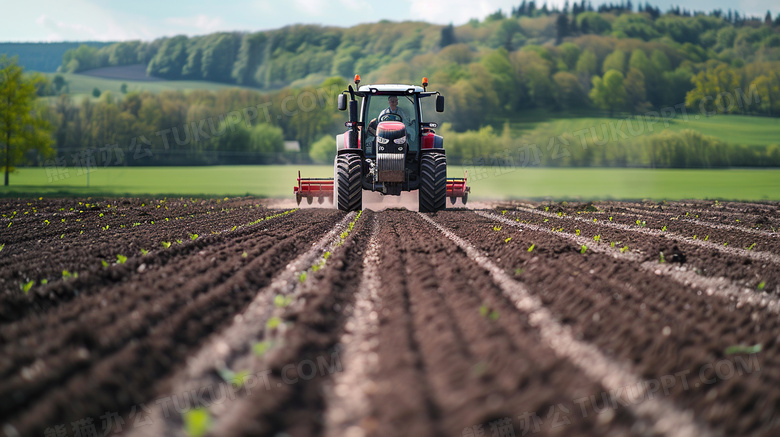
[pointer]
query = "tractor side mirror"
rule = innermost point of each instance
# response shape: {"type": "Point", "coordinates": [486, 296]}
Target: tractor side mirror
{"type": "Point", "coordinates": [353, 110]}
{"type": "Point", "coordinates": [342, 102]}
{"type": "Point", "coordinates": [439, 103]}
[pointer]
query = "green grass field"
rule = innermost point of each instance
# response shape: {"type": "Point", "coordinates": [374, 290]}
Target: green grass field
{"type": "Point", "coordinates": [519, 183]}
{"type": "Point", "coordinates": [82, 85]}
{"type": "Point", "coordinates": [733, 129]}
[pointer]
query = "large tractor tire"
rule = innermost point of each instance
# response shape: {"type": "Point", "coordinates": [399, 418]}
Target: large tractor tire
{"type": "Point", "coordinates": [348, 182]}
{"type": "Point", "coordinates": [433, 182]}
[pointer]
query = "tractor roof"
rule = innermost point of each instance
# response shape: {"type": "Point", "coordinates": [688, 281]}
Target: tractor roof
{"type": "Point", "coordinates": [391, 88]}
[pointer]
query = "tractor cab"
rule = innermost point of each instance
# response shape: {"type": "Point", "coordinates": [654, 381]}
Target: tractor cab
{"type": "Point", "coordinates": [382, 121]}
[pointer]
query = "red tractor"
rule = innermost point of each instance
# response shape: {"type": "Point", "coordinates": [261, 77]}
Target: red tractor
{"type": "Point", "coordinates": [387, 149]}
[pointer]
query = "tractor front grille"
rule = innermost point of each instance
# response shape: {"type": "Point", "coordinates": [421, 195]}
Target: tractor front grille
{"type": "Point", "coordinates": [390, 167]}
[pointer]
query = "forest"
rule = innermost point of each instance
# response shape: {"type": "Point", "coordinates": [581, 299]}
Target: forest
{"type": "Point", "coordinates": [614, 61]}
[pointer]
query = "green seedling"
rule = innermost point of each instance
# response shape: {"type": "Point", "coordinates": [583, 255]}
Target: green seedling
{"type": "Point", "coordinates": [260, 348]}
{"type": "Point", "coordinates": [546, 208]}
{"type": "Point", "coordinates": [105, 228]}
{"type": "Point", "coordinates": [197, 422]}
{"type": "Point", "coordinates": [104, 263]}
{"type": "Point", "coordinates": [121, 259]}
{"type": "Point", "coordinates": [661, 257]}
{"type": "Point", "coordinates": [496, 228]}
{"type": "Point", "coordinates": [726, 243]}
{"type": "Point", "coordinates": [244, 255]}
{"type": "Point", "coordinates": [663, 229]}
{"type": "Point", "coordinates": [751, 246]}
{"type": "Point", "coordinates": [46, 223]}
{"type": "Point", "coordinates": [485, 311]}
{"type": "Point", "coordinates": [508, 240]}
{"type": "Point", "coordinates": [761, 285]}
{"type": "Point", "coordinates": [101, 214]}
{"type": "Point", "coordinates": [193, 237]}
{"type": "Point", "coordinates": [610, 218]}
{"type": "Point", "coordinates": [9, 224]}
{"type": "Point", "coordinates": [26, 287]}
{"type": "Point", "coordinates": [503, 212]}
{"type": "Point", "coordinates": [595, 220]}
{"type": "Point", "coordinates": [583, 249]}
{"type": "Point", "coordinates": [233, 229]}
{"type": "Point", "coordinates": [694, 236]}
{"type": "Point", "coordinates": [282, 301]}
{"type": "Point", "coordinates": [165, 244]}
{"type": "Point", "coordinates": [178, 241]}
{"type": "Point", "coordinates": [44, 281]}
{"type": "Point", "coordinates": [273, 322]}
{"type": "Point", "coordinates": [743, 349]}
{"type": "Point", "coordinates": [236, 377]}
{"type": "Point", "coordinates": [531, 249]}
{"type": "Point", "coordinates": [2, 246]}
{"type": "Point", "coordinates": [706, 238]}
{"type": "Point", "coordinates": [612, 244]}
{"type": "Point", "coordinates": [624, 249]}
{"type": "Point", "coordinates": [67, 275]}
{"type": "Point", "coordinates": [577, 231]}
{"type": "Point", "coordinates": [62, 236]}
{"type": "Point", "coordinates": [144, 252]}
{"type": "Point", "coordinates": [546, 220]}
{"type": "Point", "coordinates": [302, 277]}
{"type": "Point", "coordinates": [519, 272]}
{"type": "Point", "coordinates": [641, 223]}
{"type": "Point", "coordinates": [597, 238]}
{"type": "Point", "coordinates": [326, 255]}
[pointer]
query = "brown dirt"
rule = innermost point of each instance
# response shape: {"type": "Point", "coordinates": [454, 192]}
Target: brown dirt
{"type": "Point", "coordinates": [452, 353]}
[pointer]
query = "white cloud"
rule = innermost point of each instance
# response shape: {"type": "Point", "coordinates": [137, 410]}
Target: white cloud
{"type": "Point", "coordinates": [201, 23]}
{"type": "Point", "coordinates": [81, 20]}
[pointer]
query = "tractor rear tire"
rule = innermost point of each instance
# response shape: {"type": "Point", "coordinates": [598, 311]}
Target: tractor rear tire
{"type": "Point", "coordinates": [349, 182]}
{"type": "Point", "coordinates": [433, 182]}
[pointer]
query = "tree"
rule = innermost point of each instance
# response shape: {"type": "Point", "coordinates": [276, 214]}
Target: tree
{"type": "Point", "coordinates": [710, 87]}
{"type": "Point", "coordinates": [59, 83]}
{"type": "Point", "coordinates": [561, 28]}
{"type": "Point", "coordinates": [587, 65]}
{"type": "Point", "coordinates": [569, 92]}
{"type": "Point", "coordinates": [447, 36]}
{"type": "Point", "coordinates": [123, 88]}
{"type": "Point", "coordinates": [95, 92]}
{"type": "Point", "coordinates": [323, 150]}
{"type": "Point", "coordinates": [615, 61]}
{"type": "Point", "coordinates": [609, 92]}
{"type": "Point", "coordinates": [20, 129]}
{"type": "Point", "coordinates": [636, 97]}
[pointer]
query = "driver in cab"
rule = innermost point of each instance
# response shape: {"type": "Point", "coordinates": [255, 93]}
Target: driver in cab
{"type": "Point", "coordinates": [394, 109]}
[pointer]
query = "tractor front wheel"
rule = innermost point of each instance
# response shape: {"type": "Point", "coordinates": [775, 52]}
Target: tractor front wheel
{"type": "Point", "coordinates": [433, 182]}
{"type": "Point", "coordinates": [349, 182]}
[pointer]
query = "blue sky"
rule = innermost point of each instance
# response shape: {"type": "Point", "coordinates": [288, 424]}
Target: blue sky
{"type": "Point", "coordinates": [116, 20]}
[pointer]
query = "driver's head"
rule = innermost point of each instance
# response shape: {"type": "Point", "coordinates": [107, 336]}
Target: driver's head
{"type": "Point", "coordinates": [393, 102]}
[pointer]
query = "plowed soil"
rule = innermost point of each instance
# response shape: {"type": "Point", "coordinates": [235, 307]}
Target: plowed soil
{"type": "Point", "coordinates": [150, 317]}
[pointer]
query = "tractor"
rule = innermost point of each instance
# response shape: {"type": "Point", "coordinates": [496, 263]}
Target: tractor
{"type": "Point", "coordinates": [387, 148]}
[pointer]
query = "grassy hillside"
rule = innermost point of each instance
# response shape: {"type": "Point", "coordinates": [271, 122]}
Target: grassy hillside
{"type": "Point", "coordinates": [486, 183]}
{"type": "Point", "coordinates": [81, 84]}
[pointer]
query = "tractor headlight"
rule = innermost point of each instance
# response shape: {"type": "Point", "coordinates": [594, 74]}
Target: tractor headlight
{"type": "Point", "coordinates": [381, 140]}
{"type": "Point", "coordinates": [400, 140]}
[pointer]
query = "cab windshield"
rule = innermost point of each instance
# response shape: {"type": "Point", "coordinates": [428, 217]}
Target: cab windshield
{"type": "Point", "coordinates": [379, 105]}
